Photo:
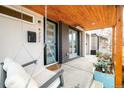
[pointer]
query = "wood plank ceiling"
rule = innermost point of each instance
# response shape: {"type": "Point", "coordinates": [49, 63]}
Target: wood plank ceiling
{"type": "Point", "coordinates": [87, 16]}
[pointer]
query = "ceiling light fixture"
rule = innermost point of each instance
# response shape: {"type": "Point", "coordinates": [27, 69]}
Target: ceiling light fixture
{"type": "Point", "coordinates": [93, 23]}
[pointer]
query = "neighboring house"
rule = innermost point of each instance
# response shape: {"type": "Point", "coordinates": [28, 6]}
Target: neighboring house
{"type": "Point", "coordinates": [103, 44]}
{"type": "Point", "coordinates": [94, 44]}
{"type": "Point", "coordinates": [99, 43]}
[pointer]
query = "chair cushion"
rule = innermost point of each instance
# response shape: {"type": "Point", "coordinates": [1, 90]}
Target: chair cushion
{"type": "Point", "coordinates": [17, 76]}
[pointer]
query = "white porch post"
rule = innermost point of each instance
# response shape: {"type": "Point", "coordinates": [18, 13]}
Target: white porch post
{"type": "Point", "coordinates": [90, 43]}
{"type": "Point", "coordinates": [83, 43]}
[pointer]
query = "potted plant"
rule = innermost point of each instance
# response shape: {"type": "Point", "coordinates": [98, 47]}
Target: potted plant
{"type": "Point", "coordinates": [104, 71]}
{"type": "Point", "coordinates": [104, 66]}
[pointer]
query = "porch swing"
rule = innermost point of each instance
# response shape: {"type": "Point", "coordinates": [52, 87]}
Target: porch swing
{"type": "Point", "coordinates": [51, 79]}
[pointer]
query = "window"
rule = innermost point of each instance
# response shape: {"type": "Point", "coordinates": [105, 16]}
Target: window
{"type": "Point", "coordinates": [16, 14]}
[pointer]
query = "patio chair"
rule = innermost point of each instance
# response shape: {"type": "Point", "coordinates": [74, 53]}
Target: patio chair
{"type": "Point", "coordinates": [52, 80]}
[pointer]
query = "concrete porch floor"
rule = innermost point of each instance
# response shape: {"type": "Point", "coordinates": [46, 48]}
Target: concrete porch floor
{"type": "Point", "coordinates": [79, 72]}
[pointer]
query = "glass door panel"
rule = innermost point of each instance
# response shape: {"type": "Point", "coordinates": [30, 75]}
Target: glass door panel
{"type": "Point", "coordinates": [70, 42]}
{"type": "Point", "coordinates": [50, 41]}
{"type": "Point", "coordinates": [73, 43]}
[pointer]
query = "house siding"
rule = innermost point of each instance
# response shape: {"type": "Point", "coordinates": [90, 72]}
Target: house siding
{"type": "Point", "coordinates": [13, 38]}
{"type": "Point", "coordinates": [63, 42]}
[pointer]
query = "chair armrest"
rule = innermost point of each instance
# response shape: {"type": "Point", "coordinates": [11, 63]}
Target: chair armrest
{"type": "Point", "coordinates": [52, 79]}
{"type": "Point", "coordinates": [29, 63]}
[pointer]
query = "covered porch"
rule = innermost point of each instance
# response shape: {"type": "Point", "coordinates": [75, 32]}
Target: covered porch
{"type": "Point", "coordinates": [62, 38]}
{"type": "Point", "coordinates": [79, 72]}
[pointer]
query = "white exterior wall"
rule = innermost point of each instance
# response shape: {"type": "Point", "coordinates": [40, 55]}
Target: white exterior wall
{"type": "Point", "coordinates": [13, 38]}
{"type": "Point", "coordinates": [83, 43]}
{"type": "Point", "coordinates": [89, 41]}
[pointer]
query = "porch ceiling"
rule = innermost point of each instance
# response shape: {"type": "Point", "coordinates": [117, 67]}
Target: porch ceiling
{"type": "Point", "coordinates": [87, 16]}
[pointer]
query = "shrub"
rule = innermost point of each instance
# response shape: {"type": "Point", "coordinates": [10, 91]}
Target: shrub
{"type": "Point", "coordinates": [98, 54]}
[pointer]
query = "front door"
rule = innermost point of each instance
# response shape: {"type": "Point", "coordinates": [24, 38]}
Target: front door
{"type": "Point", "coordinates": [50, 42]}
{"type": "Point", "coordinates": [73, 43]}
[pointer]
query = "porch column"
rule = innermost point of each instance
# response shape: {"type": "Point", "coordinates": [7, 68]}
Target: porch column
{"type": "Point", "coordinates": [118, 48]}
{"type": "Point", "coordinates": [90, 43]}
{"type": "Point", "coordinates": [83, 43]}
{"type": "Point", "coordinates": [113, 44]}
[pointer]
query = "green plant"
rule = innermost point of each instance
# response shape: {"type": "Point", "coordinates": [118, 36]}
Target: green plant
{"type": "Point", "coordinates": [103, 66]}
{"type": "Point", "coordinates": [98, 54]}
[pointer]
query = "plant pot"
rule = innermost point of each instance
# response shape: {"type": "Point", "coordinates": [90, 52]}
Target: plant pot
{"type": "Point", "coordinates": [106, 79]}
